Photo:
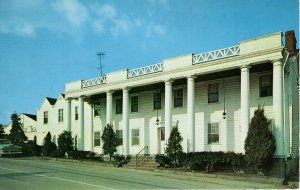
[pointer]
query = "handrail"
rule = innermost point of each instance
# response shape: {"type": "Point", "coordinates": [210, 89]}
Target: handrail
{"type": "Point", "coordinates": [136, 160]}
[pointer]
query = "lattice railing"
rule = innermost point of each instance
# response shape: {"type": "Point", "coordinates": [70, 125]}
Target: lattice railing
{"type": "Point", "coordinates": [93, 82]}
{"type": "Point", "coordinates": [216, 54]}
{"type": "Point", "coordinates": [145, 70]}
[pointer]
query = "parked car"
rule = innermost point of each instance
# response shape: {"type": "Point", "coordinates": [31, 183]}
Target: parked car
{"type": "Point", "coordinates": [6, 148]}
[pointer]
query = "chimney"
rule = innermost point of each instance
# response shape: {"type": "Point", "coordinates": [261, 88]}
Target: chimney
{"type": "Point", "coordinates": [290, 42]}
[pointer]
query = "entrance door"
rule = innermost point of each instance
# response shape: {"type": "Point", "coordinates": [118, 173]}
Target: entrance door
{"type": "Point", "coordinates": [161, 140]}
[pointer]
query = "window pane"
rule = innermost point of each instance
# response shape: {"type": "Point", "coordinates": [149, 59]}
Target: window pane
{"type": "Point", "coordinates": [157, 100]}
{"type": "Point", "coordinates": [119, 134]}
{"type": "Point", "coordinates": [97, 138]}
{"type": "Point", "coordinates": [118, 106]}
{"type": "Point", "coordinates": [76, 113]}
{"type": "Point", "coordinates": [213, 93]}
{"type": "Point", "coordinates": [135, 137]}
{"type": "Point", "coordinates": [97, 110]}
{"type": "Point", "coordinates": [134, 104]}
{"type": "Point", "coordinates": [46, 117]}
{"type": "Point", "coordinates": [178, 98]}
{"type": "Point", "coordinates": [213, 133]}
{"type": "Point", "coordinates": [265, 86]}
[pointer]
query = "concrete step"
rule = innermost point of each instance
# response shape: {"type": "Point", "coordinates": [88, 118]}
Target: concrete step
{"type": "Point", "coordinates": [147, 162]}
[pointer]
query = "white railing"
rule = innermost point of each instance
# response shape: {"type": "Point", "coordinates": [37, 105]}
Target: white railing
{"type": "Point", "coordinates": [145, 70]}
{"type": "Point", "coordinates": [93, 82]}
{"type": "Point", "coordinates": [216, 54]}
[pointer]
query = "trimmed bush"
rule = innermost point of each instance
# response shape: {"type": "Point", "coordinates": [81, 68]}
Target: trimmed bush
{"type": "Point", "coordinates": [260, 143]}
{"type": "Point", "coordinates": [162, 160]}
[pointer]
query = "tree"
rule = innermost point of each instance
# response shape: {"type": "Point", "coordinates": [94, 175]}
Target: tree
{"type": "Point", "coordinates": [65, 142]}
{"type": "Point", "coordinates": [260, 143]}
{"type": "Point", "coordinates": [48, 146]}
{"type": "Point", "coordinates": [17, 135]}
{"type": "Point", "coordinates": [109, 139]}
{"type": "Point", "coordinates": [174, 148]}
{"type": "Point", "coordinates": [2, 133]}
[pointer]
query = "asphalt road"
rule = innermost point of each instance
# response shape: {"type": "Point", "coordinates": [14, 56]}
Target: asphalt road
{"type": "Point", "coordinates": [34, 173]}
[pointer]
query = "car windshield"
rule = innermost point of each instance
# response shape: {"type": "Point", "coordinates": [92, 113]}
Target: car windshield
{"type": "Point", "coordinates": [4, 141]}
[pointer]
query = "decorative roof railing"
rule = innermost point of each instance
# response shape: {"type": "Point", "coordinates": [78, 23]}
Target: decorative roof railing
{"type": "Point", "coordinates": [216, 54]}
{"type": "Point", "coordinates": [93, 82]}
{"type": "Point", "coordinates": [145, 70]}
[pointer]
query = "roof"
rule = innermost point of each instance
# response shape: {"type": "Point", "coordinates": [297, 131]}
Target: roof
{"type": "Point", "coordinates": [30, 116]}
{"type": "Point", "coordinates": [52, 101]}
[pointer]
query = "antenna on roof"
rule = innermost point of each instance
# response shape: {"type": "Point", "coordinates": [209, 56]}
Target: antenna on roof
{"type": "Point", "coordinates": [101, 56]}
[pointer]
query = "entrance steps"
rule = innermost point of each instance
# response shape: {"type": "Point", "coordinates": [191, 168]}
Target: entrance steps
{"type": "Point", "coordinates": [142, 162]}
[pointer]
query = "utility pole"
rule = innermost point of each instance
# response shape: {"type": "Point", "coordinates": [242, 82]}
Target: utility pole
{"type": "Point", "coordinates": [101, 56]}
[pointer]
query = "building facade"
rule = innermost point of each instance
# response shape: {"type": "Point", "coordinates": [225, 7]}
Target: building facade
{"type": "Point", "coordinates": [210, 96]}
{"type": "Point", "coordinates": [28, 124]}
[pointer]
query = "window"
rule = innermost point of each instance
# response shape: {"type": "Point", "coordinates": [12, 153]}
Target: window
{"type": "Point", "coordinates": [96, 110]}
{"type": "Point", "coordinates": [178, 97]}
{"type": "Point", "coordinates": [213, 93]}
{"type": "Point", "coordinates": [76, 113]}
{"type": "Point", "coordinates": [97, 138]}
{"type": "Point", "coordinates": [265, 85]}
{"type": "Point", "coordinates": [157, 101]}
{"type": "Point", "coordinates": [118, 106]}
{"type": "Point", "coordinates": [60, 115]}
{"type": "Point", "coordinates": [135, 137]}
{"type": "Point", "coordinates": [45, 117]}
{"type": "Point", "coordinates": [213, 133]}
{"type": "Point", "coordinates": [119, 134]}
{"type": "Point", "coordinates": [134, 104]}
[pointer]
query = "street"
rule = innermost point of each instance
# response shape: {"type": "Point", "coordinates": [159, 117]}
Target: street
{"type": "Point", "coordinates": [34, 173]}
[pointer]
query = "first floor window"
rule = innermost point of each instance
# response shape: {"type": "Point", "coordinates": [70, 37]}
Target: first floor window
{"type": "Point", "coordinates": [45, 117]}
{"type": "Point", "coordinates": [135, 137]}
{"type": "Point", "coordinates": [265, 85]}
{"type": "Point", "coordinates": [76, 113]}
{"type": "Point", "coordinates": [119, 134]}
{"type": "Point", "coordinates": [60, 115]}
{"type": "Point", "coordinates": [178, 97]}
{"type": "Point", "coordinates": [118, 106]}
{"type": "Point", "coordinates": [157, 100]}
{"type": "Point", "coordinates": [213, 133]}
{"type": "Point", "coordinates": [97, 138]}
{"type": "Point", "coordinates": [213, 93]}
{"type": "Point", "coordinates": [134, 104]}
{"type": "Point", "coordinates": [162, 134]}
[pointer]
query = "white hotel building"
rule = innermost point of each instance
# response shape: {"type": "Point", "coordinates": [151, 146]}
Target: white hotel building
{"type": "Point", "coordinates": [192, 91]}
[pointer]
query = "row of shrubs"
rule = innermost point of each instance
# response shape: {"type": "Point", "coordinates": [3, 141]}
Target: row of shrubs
{"type": "Point", "coordinates": [204, 161]}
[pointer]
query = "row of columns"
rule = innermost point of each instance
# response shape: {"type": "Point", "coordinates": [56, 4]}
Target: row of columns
{"type": "Point", "coordinates": [245, 110]}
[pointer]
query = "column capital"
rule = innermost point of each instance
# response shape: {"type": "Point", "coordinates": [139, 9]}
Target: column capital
{"type": "Point", "coordinates": [126, 88]}
{"type": "Point", "coordinates": [277, 62]}
{"type": "Point", "coordinates": [168, 81]}
{"type": "Point", "coordinates": [244, 67]}
{"type": "Point", "coordinates": [110, 91]}
{"type": "Point", "coordinates": [191, 77]}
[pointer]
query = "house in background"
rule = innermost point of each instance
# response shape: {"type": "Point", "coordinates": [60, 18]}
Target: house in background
{"type": "Point", "coordinates": [210, 96]}
{"type": "Point", "coordinates": [28, 124]}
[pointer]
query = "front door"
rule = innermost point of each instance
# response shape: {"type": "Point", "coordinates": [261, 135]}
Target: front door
{"type": "Point", "coordinates": [161, 140]}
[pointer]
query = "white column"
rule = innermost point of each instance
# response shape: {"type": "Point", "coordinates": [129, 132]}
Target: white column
{"type": "Point", "coordinates": [278, 106]}
{"type": "Point", "coordinates": [168, 109]}
{"type": "Point", "coordinates": [191, 113]}
{"type": "Point", "coordinates": [68, 114]}
{"type": "Point", "coordinates": [81, 123]}
{"type": "Point", "coordinates": [245, 108]}
{"type": "Point", "coordinates": [125, 121]}
{"type": "Point", "coordinates": [92, 127]}
{"type": "Point", "coordinates": [109, 107]}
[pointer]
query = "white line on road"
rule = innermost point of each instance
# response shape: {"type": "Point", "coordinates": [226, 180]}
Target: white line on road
{"type": "Point", "coordinates": [71, 181]}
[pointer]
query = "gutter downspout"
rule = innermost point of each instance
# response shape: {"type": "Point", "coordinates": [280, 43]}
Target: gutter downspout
{"type": "Point", "coordinates": [284, 118]}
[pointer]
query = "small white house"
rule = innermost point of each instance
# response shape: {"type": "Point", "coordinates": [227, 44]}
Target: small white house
{"type": "Point", "coordinates": [28, 124]}
{"type": "Point", "coordinates": [210, 96]}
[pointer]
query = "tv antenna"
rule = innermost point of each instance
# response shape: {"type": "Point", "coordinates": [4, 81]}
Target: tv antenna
{"type": "Point", "coordinates": [101, 56]}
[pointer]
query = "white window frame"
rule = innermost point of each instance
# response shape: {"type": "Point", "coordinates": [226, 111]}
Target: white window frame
{"type": "Point", "coordinates": [117, 99]}
{"type": "Point", "coordinates": [46, 117]}
{"type": "Point", "coordinates": [155, 95]}
{"type": "Point", "coordinates": [208, 86]}
{"type": "Point", "coordinates": [209, 126]}
{"type": "Point", "coordinates": [76, 115]}
{"type": "Point", "coordinates": [259, 83]}
{"type": "Point", "coordinates": [131, 104]}
{"type": "Point", "coordinates": [135, 133]}
{"type": "Point", "coordinates": [60, 115]}
{"type": "Point", "coordinates": [174, 94]}
{"type": "Point", "coordinates": [119, 134]}
{"type": "Point", "coordinates": [97, 141]}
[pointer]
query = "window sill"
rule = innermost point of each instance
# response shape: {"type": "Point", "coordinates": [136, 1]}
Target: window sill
{"type": "Point", "coordinates": [213, 144]}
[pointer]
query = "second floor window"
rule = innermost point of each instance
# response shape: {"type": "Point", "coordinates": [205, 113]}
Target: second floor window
{"type": "Point", "coordinates": [97, 110]}
{"type": "Point", "coordinates": [134, 104]}
{"type": "Point", "coordinates": [213, 93]}
{"type": "Point", "coordinates": [265, 85]}
{"type": "Point", "coordinates": [45, 117]}
{"type": "Point", "coordinates": [119, 106]}
{"type": "Point", "coordinates": [157, 101]}
{"type": "Point", "coordinates": [60, 115]}
{"type": "Point", "coordinates": [76, 113]}
{"type": "Point", "coordinates": [178, 97]}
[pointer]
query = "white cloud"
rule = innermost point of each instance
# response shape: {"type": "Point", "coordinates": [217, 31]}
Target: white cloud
{"type": "Point", "coordinates": [155, 29]}
{"type": "Point", "coordinates": [98, 26]}
{"type": "Point", "coordinates": [75, 12]}
{"type": "Point", "coordinates": [27, 30]}
{"type": "Point", "coordinates": [108, 11]}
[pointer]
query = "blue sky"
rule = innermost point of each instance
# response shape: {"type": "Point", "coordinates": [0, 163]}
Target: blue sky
{"type": "Point", "coordinates": [44, 44]}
